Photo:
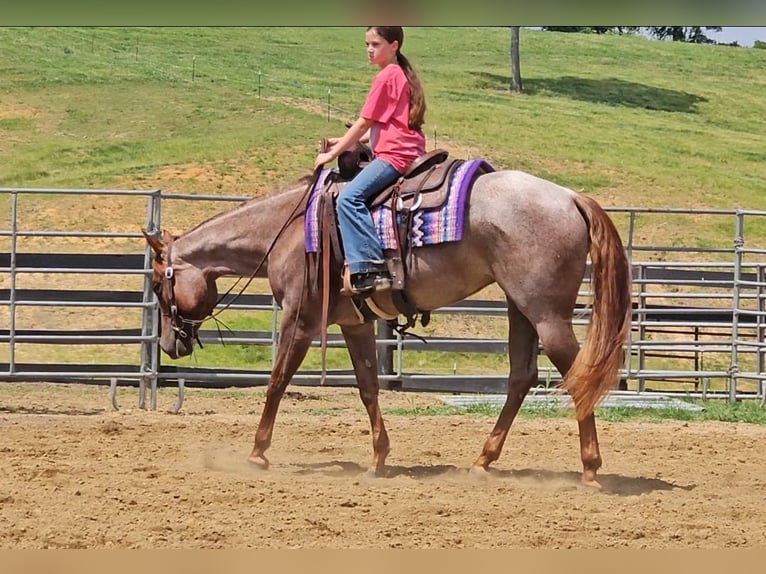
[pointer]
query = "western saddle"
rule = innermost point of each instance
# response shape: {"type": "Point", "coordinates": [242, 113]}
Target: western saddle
{"type": "Point", "coordinates": [425, 185]}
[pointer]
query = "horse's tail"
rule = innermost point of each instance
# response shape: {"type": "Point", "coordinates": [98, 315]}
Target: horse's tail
{"type": "Point", "coordinates": [594, 372]}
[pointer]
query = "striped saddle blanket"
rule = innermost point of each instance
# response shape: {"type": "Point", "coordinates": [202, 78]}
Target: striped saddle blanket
{"type": "Point", "coordinates": [428, 226]}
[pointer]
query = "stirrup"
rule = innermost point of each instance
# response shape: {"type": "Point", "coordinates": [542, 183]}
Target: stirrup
{"type": "Point", "coordinates": [369, 283]}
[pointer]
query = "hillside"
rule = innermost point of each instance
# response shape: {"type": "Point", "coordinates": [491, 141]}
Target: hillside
{"type": "Point", "coordinates": [238, 111]}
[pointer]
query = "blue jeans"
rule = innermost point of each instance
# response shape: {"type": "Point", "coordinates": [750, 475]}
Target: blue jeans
{"type": "Point", "coordinates": [361, 244]}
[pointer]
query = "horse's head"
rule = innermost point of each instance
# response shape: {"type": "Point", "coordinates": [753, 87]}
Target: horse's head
{"type": "Point", "coordinates": [186, 295]}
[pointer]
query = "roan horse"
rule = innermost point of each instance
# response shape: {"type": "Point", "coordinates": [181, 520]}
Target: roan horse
{"type": "Point", "coordinates": [530, 236]}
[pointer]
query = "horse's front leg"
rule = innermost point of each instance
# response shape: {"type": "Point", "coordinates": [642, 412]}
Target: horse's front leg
{"type": "Point", "coordinates": [294, 342]}
{"type": "Point", "coordinates": [360, 340]}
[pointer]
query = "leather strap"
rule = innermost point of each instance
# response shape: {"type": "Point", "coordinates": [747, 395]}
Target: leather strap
{"type": "Point", "coordinates": [335, 240]}
{"type": "Point", "coordinates": [402, 303]}
{"type": "Point", "coordinates": [325, 247]}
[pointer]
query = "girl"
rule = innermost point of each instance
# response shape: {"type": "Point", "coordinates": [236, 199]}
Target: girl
{"type": "Point", "coordinates": [393, 114]}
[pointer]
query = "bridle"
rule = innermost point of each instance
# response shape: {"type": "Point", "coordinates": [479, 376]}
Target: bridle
{"type": "Point", "coordinates": [178, 321]}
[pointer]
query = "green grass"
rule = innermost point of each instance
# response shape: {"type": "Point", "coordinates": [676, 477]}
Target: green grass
{"type": "Point", "coordinates": [740, 412]}
{"type": "Point", "coordinates": [631, 120]}
{"type": "Point", "coordinates": [256, 357]}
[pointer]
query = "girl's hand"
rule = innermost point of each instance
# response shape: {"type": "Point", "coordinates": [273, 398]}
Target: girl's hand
{"type": "Point", "coordinates": [322, 159]}
{"type": "Point", "coordinates": [329, 142]}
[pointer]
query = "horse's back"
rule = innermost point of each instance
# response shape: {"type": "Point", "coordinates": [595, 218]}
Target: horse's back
{"type": "Point", "coordinates": [529, 210]}
{"type": "Point", "coordinates": [522, 191]}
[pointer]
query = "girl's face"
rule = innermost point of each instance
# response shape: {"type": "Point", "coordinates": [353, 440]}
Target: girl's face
{"type": "Point", "coordinates": [379, 50]}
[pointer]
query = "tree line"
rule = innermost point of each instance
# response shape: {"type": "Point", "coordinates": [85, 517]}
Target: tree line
{"type": "Point", "coordinates": [693, 34]}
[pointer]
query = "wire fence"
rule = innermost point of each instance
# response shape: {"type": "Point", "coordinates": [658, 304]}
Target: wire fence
{"type": "Point", "coordinates": [121, 54]}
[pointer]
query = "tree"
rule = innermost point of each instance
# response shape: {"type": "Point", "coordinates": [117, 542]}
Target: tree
{"type": "Point", "coordinates": [567, 28]}
{"type": "Point", "coordinates": [627, 29]}
{"type": "Point", "coordinates": [515, 60]}
{"type": "Point", "coordinates": [692, 34]}
{"type": "Point", "coordinates": [592, 29]}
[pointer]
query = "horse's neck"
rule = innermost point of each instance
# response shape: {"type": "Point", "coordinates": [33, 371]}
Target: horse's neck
{"type": "Point", "coordinates": [235, 242]}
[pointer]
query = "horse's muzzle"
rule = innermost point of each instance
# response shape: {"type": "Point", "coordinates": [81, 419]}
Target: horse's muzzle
{"type": "Point", "coordinates": [176, 347]}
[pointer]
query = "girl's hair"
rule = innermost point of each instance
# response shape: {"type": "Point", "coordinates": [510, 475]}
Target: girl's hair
{"type": "Point", "coordinates": [393, 34]}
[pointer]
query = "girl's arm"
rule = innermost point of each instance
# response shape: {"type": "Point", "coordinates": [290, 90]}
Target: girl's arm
{"type": "Point", "coordinates": [358, 130]}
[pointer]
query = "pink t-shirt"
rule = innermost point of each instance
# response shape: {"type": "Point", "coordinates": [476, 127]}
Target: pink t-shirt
{"type": "Point", "coordinates": [388, 106]}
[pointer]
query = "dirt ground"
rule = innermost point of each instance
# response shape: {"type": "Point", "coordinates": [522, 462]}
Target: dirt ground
{"type": "Point", "coordinates": [78, 474]}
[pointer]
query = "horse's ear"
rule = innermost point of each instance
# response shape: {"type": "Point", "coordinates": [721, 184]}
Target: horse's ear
{"type": "Point", "coordinates": [154, 239]}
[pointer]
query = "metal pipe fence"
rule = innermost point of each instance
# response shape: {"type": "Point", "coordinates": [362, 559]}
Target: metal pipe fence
{"type": "Point", "coordinates": [699, 317]}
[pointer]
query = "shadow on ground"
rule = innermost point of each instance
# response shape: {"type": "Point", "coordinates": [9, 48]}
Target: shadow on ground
{"type": "Point", "coordinates": [612, 483]}
{"type": "Point", "coordinates": [35, 410]}
{"type": "Point", "coordinates": [608, 91]}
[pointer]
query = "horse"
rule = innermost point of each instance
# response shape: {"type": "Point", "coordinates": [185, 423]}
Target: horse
{"type": "Point", "coordinates": [530, 236]}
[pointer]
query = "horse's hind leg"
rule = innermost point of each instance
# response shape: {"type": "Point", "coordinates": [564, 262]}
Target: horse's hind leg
{"type": "Point", "coordinates": [294, 342]}
{"type": "Point", "coordinates": [522, 350]}
{"type": "Point", "coordinates": [560, 344]}
{"type": "Point", "coordinates": [360, 340]}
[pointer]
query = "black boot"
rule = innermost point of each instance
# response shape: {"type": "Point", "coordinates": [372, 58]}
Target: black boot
{"type": "Point", "coordinates": [368, 283]}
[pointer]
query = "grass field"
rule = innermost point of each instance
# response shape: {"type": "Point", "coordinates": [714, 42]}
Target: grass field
{"type": "Point", "coordinates": [629, 120]}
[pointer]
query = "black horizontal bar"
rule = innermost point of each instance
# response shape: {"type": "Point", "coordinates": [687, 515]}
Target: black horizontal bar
{"type": "Point", "coordinates": [90, 296]}
{"type": "Point", "coordinates": [75, 260]}
{"type": "Point", "coordinates": [62, 368]}
{"type": "Point", "coordinates": [80, 296]}
{"type": "Point", "coordinates": [707, 275]}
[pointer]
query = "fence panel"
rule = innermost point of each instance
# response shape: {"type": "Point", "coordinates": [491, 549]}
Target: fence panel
{"type": "Point", "coordinates": [699, 320]}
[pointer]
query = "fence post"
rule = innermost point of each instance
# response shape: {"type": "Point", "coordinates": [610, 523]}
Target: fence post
{"type": "Point", "coordinates": [12, 305]}
{"type": "Point", "coordinates": [641, 317]}
{"type": "Point", "coordinates": [385, 350]}
{"type": "Point", "coordinates": [628, 362]}
{"type": "Point", "coordinates": [739, 242]}
{"type": "Point", "coordinates": [760, 322]}
{"type": "Point", "coordinates": [150, 352]}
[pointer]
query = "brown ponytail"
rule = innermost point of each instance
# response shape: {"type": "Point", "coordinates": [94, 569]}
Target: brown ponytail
{"type": "Point", "coordinates": [417, 95]}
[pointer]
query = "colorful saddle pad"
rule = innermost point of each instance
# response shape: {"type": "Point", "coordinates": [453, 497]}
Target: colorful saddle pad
{"type": "Point", "coordinates": [429, 226]}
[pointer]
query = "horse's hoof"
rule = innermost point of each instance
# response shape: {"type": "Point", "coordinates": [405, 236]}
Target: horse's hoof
{"type": "Point", "coordinates": [374, 473]}
{"type": "Point", "coordinates": [258, 461]}
{"type": "Point", "coordinates": [589, 480]}
{"type": "Point", "coordinates": [478, 472]}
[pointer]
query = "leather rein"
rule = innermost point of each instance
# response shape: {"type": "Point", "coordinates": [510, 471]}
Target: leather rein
{"type": "Point", "coordinates": [178, 321]}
